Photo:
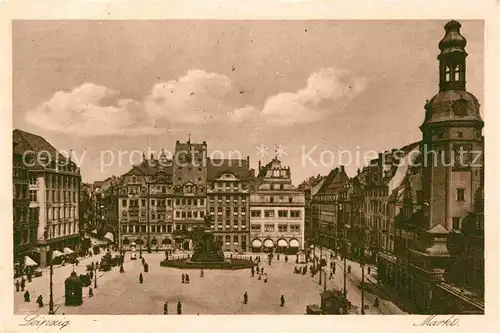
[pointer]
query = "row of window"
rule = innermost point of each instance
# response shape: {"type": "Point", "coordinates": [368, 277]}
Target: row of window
{"type": "Point", "coordinates": [272, 227]}
{"type": "Point", "coordinates": [20, 191]}
{"type": "Point", "coordinates": [229, 186]}
{"type": "Point", "coordinates": [276, 199]}
{"type": "Point", "coordinates": [57, 196]}
{"type": "Point", "coordinates": [62, 229]}
{"type": "Point", "coordinates": [25, 236]}
{"type": "Point", "coordinates": [163, 202]}
{"type": "Point", "coordinates": [54, 181]}
{"type": "Point", "coordinates": [136, 228]}
{"type": "Point", "coordinates": [55, 213]}
{"type": "Point", "coordinates": [227, 199]}
{"type": "Point", "coordinates": [226, 239]}
{"type": "Point", "coordinates": [271, 213]}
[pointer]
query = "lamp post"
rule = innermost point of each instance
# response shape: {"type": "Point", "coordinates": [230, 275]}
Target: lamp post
{"type": "Point", "coordinates": [363, 267]}
{"type": "Point", "coordinates": [95, 277]}
{"type": "Point", "coordinates": [51, 295]}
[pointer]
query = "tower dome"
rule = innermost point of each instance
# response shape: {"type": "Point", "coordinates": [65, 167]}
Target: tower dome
{"type": "Point", "coordinates": [452, 41]}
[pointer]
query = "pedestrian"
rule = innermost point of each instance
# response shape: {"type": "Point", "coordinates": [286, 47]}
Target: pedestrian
{"type": "Point", "coordinates": [146, 267]}
{"type": "Point", "coordinates": [183, 277]}
{"type": "Point", "coordinates": [179, 308]}
{"type": "Point", "coordinates": [91, 292]}
{"type": "Point", "coordinates": [187, 278]}
{"type": "Point", "coordinates": [17, 285]}
{"type": "Point", "coordinates": [265, 278]}
{"type": "Point", "coordinates": [245, 298]}
{"type": "Point", "coordinates": [282, 299]}
{"type": "Point", "coordinates": [122, 270]}
{"type": "Point", "coordinates": [91, 275]}
{"type": "Point", "coordinates": [286, 258]}
{"type": "Point", "coordinates": [262, 270]}
{"type": "Point", "coordinates": [260, 277]}
{"type": "Point", "coordinates": [77, 262]}
{"type": "Point", "coordinates": [165, 308]}
{"type": "Point", "coordinates": [278, 257]}
{"type": "Point", "coordinates": [349, 269]}
{"type": "Point", "coordinates": [201, 273]}
{"type": "Point", "coordinates": [141, 280]}
{"type": "Point", "coordinates": [23, 283]}
{"type": "Point", "coordinates": [27, 296]}
{"type": "Point", "coordinates": [253, 272]}
{"type": "Point", "coordinates": [39, 301]}
{"type": "Point", "coordinates": [375, 304]}
{"type": "Point", "coordinates": [331, 275]}
{"type": "Point", "coordinates": [29, 276]}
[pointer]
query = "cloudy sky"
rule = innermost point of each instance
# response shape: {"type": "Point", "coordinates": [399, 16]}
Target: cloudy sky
{"type": "Point", "coordinates": [310, 88]}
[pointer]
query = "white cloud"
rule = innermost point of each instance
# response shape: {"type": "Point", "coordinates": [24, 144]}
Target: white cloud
{"type": "Point", "coordinates": [196, 97]}
{"type": "Point", "coordinates": [89, 110]}
{"type": "Point", "coordinates": [328, 91]}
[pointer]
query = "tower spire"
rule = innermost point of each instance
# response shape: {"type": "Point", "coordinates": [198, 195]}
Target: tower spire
{"type": "Point", "coordinates": [452, 58]}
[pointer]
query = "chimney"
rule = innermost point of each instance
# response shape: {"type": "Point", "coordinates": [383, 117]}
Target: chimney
{"type": "Point", "coordinates": [341, 169]}
{"type": "Point", "coordinates": [248, 161]}
{"type": "Point", "coordinates": [258, 171]}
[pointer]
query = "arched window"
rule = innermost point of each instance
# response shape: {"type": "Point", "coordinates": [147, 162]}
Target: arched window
{"type": "Point", "coordinates": [447, 73]}
{"type": "Point", "coordinates": [456, 73]}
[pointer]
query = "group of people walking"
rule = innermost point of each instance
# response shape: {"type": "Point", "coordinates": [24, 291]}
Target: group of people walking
{"type": "Point", "coordinates": [179, 308]}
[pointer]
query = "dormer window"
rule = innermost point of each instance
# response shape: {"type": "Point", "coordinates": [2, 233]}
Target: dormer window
{"type": "Point", "coordinates": [134, 179]}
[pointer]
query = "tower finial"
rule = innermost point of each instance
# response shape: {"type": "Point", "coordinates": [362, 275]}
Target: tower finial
{"type": "Point", "coordinates": [189, 138]}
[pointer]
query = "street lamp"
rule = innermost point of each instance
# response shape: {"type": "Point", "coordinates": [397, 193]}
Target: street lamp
{"type": "Point", "coordinates": [363, 267]}
{"type": "Point", "coordinates": [95, 276]}
{"type": "Point", "coordinates": [51, 296]}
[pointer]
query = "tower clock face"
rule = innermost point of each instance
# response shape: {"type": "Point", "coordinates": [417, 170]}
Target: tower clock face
{"type": "Point", "coordinates": [460, 107]}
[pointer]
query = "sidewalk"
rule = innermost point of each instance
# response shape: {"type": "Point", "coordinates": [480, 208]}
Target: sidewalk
{"type": "Point", "coordinates": [386, 306]}
{"type": "Point", "coordinates": [41, 286]}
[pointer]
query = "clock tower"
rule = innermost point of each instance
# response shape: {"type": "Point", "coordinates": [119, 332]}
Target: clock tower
{"type": "Point", "coordinates": [453, 144]}
{"type": "Point", "coordinates": [452, 156]}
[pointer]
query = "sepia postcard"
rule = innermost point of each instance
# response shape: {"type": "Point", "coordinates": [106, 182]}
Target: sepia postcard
{"type": "Point", "coordinates": [176, 162]}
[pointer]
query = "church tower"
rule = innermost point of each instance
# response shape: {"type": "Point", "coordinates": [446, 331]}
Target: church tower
{"type": "Point", "coordinates": [453, 143]}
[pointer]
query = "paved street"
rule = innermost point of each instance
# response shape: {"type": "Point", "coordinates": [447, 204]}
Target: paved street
{"type": "Point", "coordinates": [353, 282]}
{"type": "Point", "coordinates": [218, 292]}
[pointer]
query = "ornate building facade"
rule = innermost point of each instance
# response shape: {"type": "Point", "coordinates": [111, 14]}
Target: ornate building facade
{"type": "Point", "coordinates": [145, 205]}
{"type": "Point", "coordinates": [276, 211]}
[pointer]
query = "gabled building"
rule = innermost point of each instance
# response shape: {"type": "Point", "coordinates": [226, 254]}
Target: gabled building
{"type": "Point", "coordinates": [329, 232]}
{"type": "Point", "coordinates": [145, 205]}
{"type": "Point", "coordinates": [276, 211]}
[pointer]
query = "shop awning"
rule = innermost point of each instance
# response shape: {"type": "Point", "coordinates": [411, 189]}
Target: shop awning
{"type": "Point", "coordinates": [294, 243]}
{"type": "Point", "coordinates": [133, 244]}
{"type": "Point", "coordinates": [29, 262]}
{"type": "Point", "coordinates": [96, 241]}
{"type": "Point", "coordinates": [109, 236]}
{"type": "Point", "coordinates": [256, 243]}
{"type": "Point", "coordinates": [67, 250]}
{"type": "Point", "coordinates": [282, 243]}
{"type": "Point", "coordinates": [94, 232]}
{"type": "Point", "coordinates": [268, 243]}
{"type": "Point", "coordinates": [56, 254]}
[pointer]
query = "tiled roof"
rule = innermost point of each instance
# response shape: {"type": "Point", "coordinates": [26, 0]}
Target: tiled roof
{"type": "Point", "coordinates": [34, 143]}
{"type": "Point", "coordinates": [334, 181]}
{"type": "Point", "coordinates": [238, 167]}
{"type": "Point", "coordinates": [149, 169]}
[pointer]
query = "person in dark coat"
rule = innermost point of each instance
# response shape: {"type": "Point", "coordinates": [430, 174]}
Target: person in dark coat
{"type": "Point", "coordinates": [369, 270]}
{"type": "Point", "coordinates": [27, 296]}
{"type": "Point", "coordinates": [187, 278]}
{"type": "Point", "coordinates": [282, 299]}
{"type": "Point", "coordinates": [141, 280]}
{"type": "Point", "coordinates": [286, 258]}
{"type": "Point", "coordinates": [202, 274]}
{"type": "Point", "coordinates": [349, 269]}
{"type": "Point", "coordinates": [91, 292]}
{"type": "Point", "coordinates": [265, 278]}
{"type": "Point", "coordinates": [29, 276]}
{"type": "Point", "coordinates": [39, 301]}
{"type": "Point", "coordinates": [146, 267]}
{"type": "Point", "coordinates": [122, 270]}
{"type": "Point", "coordinates": [183, 277]}
{"type": "Point", "coordinates": [17, 285]}
{"type": "Point", "coordinates": [179, 308]}
{"type": "Point", "coordinates": [165, 308]}
{"type": "Point", "coordinates": [245, 298]}
{"type": "Point", "coordinates": [262, 270]}
{"type": "Point", "coordinates": [23, 283]}
{"type": "Point", "coordinates": [278, 257]}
